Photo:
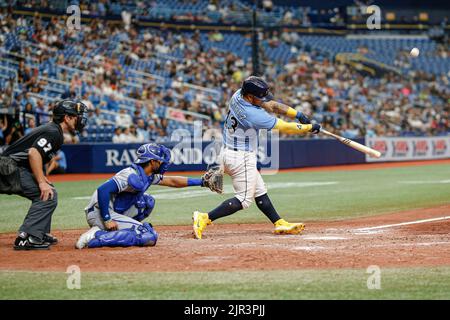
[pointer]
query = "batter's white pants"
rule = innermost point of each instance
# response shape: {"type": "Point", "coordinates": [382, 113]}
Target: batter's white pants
{"type": "Point", "coordinates": [241, 167]}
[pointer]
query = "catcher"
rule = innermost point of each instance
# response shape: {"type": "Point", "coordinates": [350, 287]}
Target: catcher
{"type": "Point", "coordinates": [119, 206]}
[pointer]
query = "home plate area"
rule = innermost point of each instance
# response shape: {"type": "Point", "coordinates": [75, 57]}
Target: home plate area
{"type": "Point", "coordinates": [414, 238]}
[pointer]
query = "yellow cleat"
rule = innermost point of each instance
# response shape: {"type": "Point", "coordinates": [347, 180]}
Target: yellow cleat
{"type": "Point", "coordinates": [284, 227]}
{"type": "Point", "coordinates": [200, 221]}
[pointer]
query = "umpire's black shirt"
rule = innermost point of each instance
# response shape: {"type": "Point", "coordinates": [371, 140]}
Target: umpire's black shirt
{"type": "Point", "coordinates": [47, 139]}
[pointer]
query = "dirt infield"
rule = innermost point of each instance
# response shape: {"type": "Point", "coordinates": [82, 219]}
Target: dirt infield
{"type": "Point", "coordinates": [422, 239]}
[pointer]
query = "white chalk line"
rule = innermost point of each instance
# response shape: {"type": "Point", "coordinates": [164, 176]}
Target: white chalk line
{"type": "Point", "coordinates": [419, 244]}
{"type": "Point", "coordinates": [310, 248]}
{"type": "Point", "coordinates": [323, 238]}
{"type": "Point", "coordinates": [390, 245]}
{"type": "Point", "coordinates": [425, 182]}
{"type": "Point", "coordinates": [82, 198]}
{"type": "Point", "coordinates": [173, 193]}
{"type": "Point", "coordinates": [402, 224]}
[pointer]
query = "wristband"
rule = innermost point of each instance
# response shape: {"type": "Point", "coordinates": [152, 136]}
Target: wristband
{"type": "Point", "coordinates": [194, 182]}
{"type": "Point", "coordinates": [292, 113]}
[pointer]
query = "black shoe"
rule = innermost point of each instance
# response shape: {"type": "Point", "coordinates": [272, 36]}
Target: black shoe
{"type": "Point", "coordinates": [30, 243]}
{"type": "Point", "coordinates": [50, 239]}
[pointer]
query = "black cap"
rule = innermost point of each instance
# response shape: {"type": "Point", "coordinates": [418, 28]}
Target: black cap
{"type": "Point", "coordinates": [257, 87]}
{"type": "Point", "coordinates": [71, 108]}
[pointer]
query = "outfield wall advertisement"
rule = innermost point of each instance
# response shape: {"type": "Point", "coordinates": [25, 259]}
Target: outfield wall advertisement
{"type": "Point", "coordinates": [284, 154]}
{"type": "Point", "coordinates": [411, 148]}
{"type": "Point", "coordinates": [196, 156]}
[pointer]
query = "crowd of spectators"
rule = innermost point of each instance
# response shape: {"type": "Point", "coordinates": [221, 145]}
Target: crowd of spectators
{"type": "Point", "coordinates": [106, 88]}
{"type": "Point", "coordinates": [203, 11]}
{"type": "Point", "coordinates": [328, 91]}
{"type": "Point", "coordinates": [355, 105]}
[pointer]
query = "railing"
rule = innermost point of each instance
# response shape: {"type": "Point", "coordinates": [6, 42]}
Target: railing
{"type": "Point", "coordinates": [15, 84]}
{"type": "Point", "coordinates": [359, 57]}
{"type": "Point", "coordinates": [215, 93]}
{"type": "Point", "coordinates": [173, 114]}
{"type": "Point", "coordinates": [8, 69]}
{"type": "Point", "coordinates": [9, 61]}
{"type": "Point", "coordinates": [55, 80]}
{"type": "Point", "coordinates": [18, 55]}
{"type": "Point", "coordinates": [146, 74]}
{"type": "Point", "coordinates": [75, 70]}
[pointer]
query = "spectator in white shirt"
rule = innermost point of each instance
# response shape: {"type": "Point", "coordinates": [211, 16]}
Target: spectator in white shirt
{"type": "Point", "coordinates": [142, 131]}
{"type": "Point", "coordinates": [126, 136]}
{"type": "Point", "coordinates": [136, 136]}
{"type": "Point", "coordinates": [117, 135]}
{"type": "Point", "coordinates": [123, 119]}
{"type": "Point", "coordinates": [87, 102]}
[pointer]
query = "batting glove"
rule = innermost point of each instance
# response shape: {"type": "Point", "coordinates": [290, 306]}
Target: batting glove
{"type": "Point", "coordinates": [302, 118]}
{"type": "Point", "coordinates": [315, 128]}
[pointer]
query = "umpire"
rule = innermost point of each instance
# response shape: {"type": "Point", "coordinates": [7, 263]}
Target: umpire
{"type": "Point", "coordinates": [22, 173]}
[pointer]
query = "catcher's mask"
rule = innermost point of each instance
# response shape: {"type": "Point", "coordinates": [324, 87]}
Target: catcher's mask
{"type": "Point", "coordinates": [154, 151]}
{"type": "Point", "coordinates": [71, 108]}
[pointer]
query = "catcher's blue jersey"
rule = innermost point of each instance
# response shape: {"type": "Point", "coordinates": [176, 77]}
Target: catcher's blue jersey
{"type": "Point", "coordinates": [121, 179]}
{"type": "Point", "coordinates": [243, 122]}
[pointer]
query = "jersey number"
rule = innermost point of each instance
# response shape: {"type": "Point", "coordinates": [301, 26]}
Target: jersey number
{"type": "Point", "coordinates": [46, 146]}
{"type": "Point", "coordinates": [231, 122]}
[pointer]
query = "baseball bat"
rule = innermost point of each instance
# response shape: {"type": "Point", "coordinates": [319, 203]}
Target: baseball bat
{"type": "Point", "coordinates": [353, 144]}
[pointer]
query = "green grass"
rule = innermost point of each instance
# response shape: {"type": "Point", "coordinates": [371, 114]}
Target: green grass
{"type": "Point", "coordinates": [294, 285]}
{"type": "Point", "coordinates": [357, 193]}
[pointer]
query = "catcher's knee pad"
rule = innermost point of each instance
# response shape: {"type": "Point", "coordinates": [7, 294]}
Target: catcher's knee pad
{"type": "Point", "coordinates": [120, 238]}
{"type": "Point", "coordinates": [144, 206]}
{"type": "Point", "coordinates": [149, 202]}
{"type": "Point", "coordinates": [141, 236]}
{"type": "Point", "coordinates": [147, 236]}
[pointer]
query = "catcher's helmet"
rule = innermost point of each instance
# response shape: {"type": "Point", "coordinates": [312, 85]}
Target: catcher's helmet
{"type": "Point", "coordinates": [154, 151]}
{"type": "Point", "coordinates": [257, 87]}
{"type": "Point", "coordinates": [71, 108]}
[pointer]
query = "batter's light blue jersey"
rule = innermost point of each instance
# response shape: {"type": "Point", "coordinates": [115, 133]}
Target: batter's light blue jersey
{"type": "Point", "coordinates": [243, 122]}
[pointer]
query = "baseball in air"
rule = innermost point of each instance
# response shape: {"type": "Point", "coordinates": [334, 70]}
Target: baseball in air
{"type": "Point", "coordinates": [414, 52]}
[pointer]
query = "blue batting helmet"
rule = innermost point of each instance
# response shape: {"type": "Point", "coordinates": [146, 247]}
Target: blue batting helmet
{"type": "Point", "coordinates": [257, 87]}
{"type": "Point", "coordinates": [154, 151]}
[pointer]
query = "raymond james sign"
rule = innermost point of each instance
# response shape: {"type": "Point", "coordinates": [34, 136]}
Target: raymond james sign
{"type": "Point", "coordinates": [183, 154]}
{"type": "Point", "coordinates": [196, 156]}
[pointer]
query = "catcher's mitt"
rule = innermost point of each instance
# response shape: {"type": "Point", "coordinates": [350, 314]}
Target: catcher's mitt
{"type": "Point", "coordinates": [213, 179]}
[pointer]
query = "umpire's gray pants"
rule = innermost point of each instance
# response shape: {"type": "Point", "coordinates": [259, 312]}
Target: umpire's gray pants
{"type": "Point", "coordinates": [39, 218]}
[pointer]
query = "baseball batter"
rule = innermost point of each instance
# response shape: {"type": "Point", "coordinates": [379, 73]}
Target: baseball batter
{"type": "Point", "coordinates": [118, 207]}
{"type": "Point", "coordinates": [248, 112]}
